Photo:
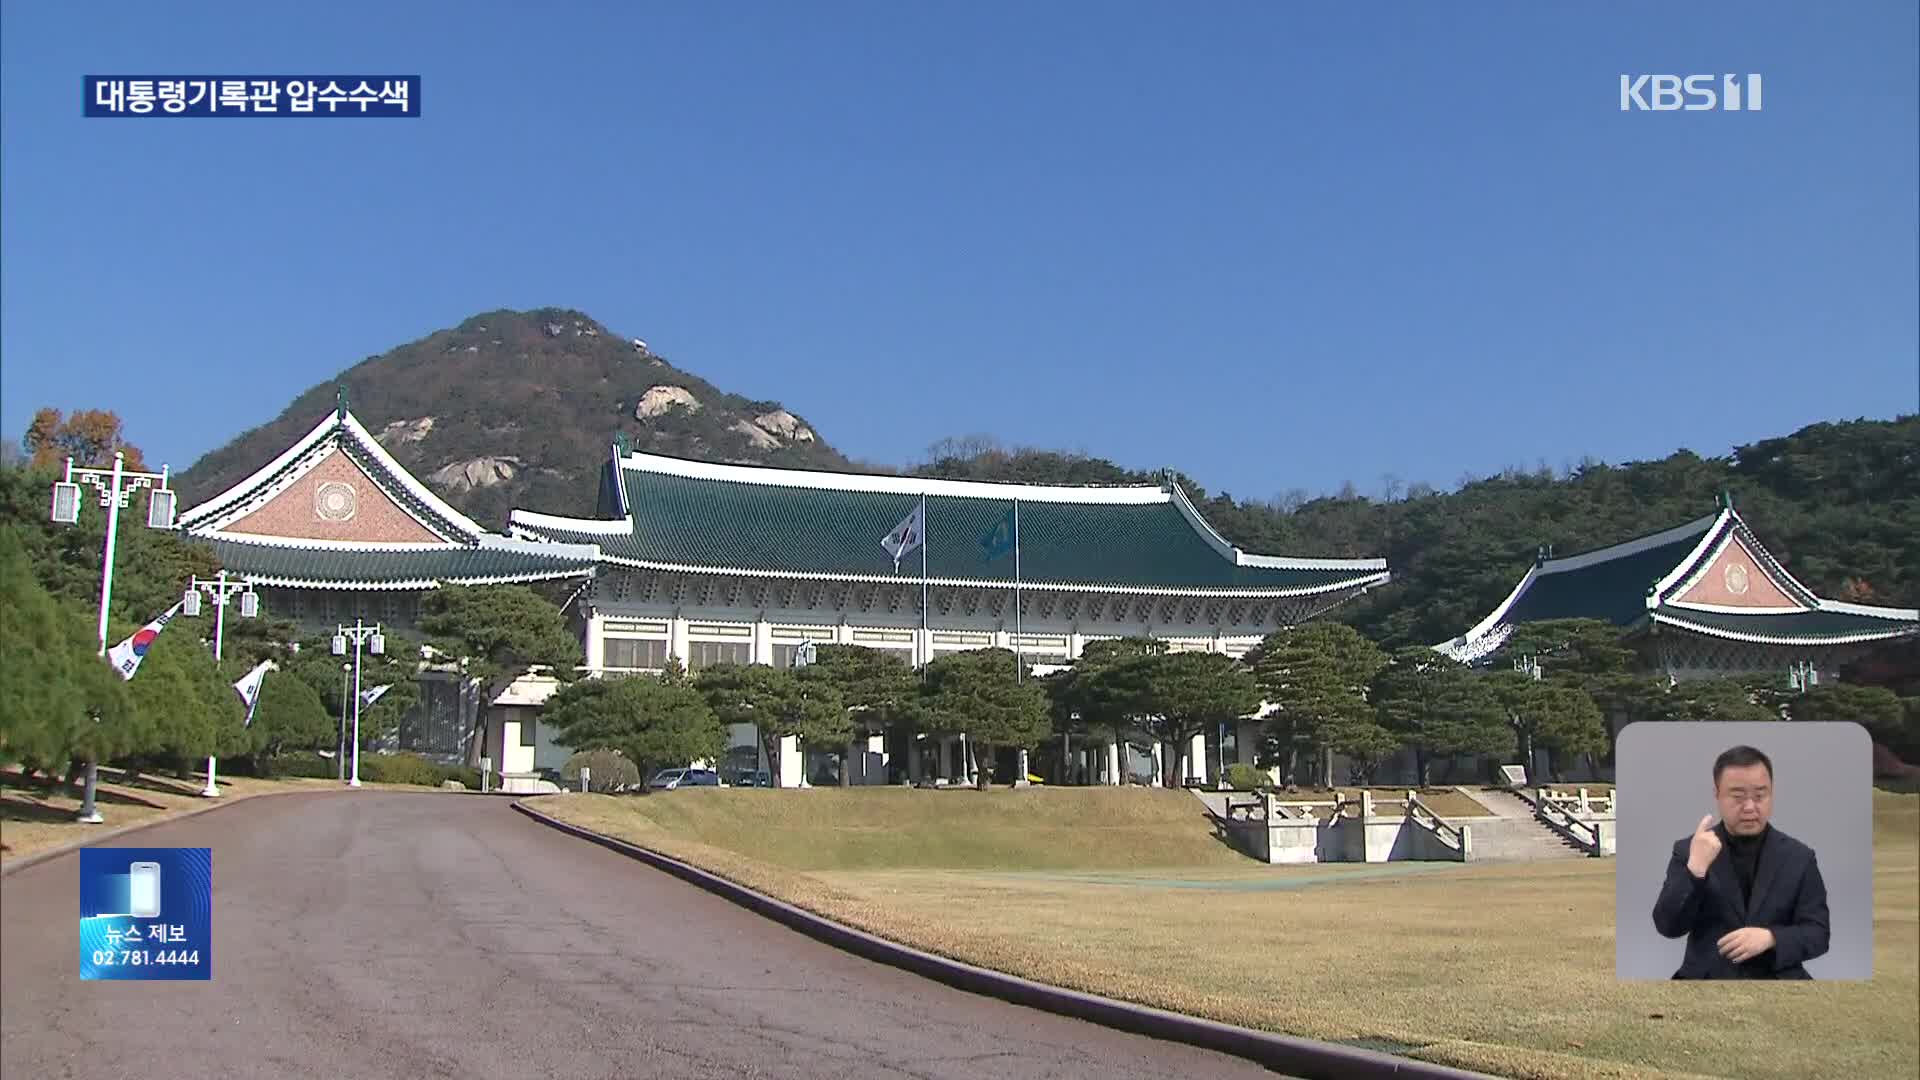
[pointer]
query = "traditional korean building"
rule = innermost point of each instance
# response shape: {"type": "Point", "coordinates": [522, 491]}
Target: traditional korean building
{"type": "Point", "coordinates": [1701, 600]}
{"type": "Point", "coordinates": [334, 530]}
{"type": "Point", "coordinates": [714, 563]}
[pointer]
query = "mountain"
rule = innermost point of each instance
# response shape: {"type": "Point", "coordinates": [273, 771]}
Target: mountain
{"type": "Point", "coordinates": [519, 409]}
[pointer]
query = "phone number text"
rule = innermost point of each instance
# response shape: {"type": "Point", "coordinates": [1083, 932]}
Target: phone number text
{"type": "Point", "coordinates": [138, 957]}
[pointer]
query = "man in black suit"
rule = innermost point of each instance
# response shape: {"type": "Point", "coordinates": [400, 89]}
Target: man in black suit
{"type": "Point", "coordinates": [1747, 897]}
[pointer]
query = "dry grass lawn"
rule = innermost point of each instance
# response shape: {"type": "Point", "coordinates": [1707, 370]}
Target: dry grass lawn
{"type": "Point", "coordinates": [1505, 968]}
{"type": "Point", "coordinates": [38, 815]}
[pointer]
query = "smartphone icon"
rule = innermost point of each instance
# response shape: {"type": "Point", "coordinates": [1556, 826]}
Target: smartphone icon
{"type": "Point", "coordinates": [145, 890]}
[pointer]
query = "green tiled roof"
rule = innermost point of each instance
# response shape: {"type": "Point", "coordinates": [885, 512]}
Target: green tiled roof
{"type": "Point", "coordinates": [388, 568]}
{"type": "Point", "coordinates": [1614, 590]}
{"type": "Point", "coordinates": [727, 524]}
{"type": "Point", "coordinates": [1825, 625]}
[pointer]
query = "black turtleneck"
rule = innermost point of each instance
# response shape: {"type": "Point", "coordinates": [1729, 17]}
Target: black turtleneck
{"type": "Point", "coordinates": [1744, 853]}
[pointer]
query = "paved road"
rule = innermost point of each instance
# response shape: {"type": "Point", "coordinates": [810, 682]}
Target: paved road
{"type": "Point", "coordinates": [395, 934]}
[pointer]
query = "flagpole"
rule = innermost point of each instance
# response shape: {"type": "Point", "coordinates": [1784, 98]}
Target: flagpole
{"type": "Point", "coordinates": [924, 635]}
{"type": "Point", "coordinates": [1019, 656]}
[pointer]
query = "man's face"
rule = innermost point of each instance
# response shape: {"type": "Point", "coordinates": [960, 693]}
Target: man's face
{"type": "Point", "coordinates": [1745, 795]}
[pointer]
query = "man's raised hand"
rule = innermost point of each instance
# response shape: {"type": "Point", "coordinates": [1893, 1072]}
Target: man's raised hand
{"type": "Point", "coordinates": [1704, 849]}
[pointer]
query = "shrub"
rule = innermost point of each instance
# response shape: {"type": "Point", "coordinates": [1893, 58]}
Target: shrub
{"type": "Point", "coordinates": [1243, 777]}
{"type": "Point", "coordinates": [608, 770]}
{"type": "Point", "coordinates": [404, 769]}
{"type": "Point", "coordinates": [285, 765]}
{"type": "Point", "coordinates": [464, 773]}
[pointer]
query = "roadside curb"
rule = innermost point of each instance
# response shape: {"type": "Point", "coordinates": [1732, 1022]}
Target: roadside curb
{"type": "Point", "coordinates": [1307, 1059]}
{"type": "Point", "coordinates": [24, 861]}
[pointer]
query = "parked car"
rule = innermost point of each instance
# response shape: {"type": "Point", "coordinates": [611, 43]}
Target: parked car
{"type": "Point", "coordinates": [669, 779]}
{"type": "Point", "coordinates": [756, 778]}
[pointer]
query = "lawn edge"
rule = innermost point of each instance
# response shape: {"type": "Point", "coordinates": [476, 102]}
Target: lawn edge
{"type": "Point", "coordinates": [21, 862]}
{"type": "Point", "coordinates": [1308, 1059]}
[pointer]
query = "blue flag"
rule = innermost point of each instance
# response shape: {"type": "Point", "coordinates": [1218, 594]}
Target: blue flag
{"type": "Point", "coordinates": [998, 540]}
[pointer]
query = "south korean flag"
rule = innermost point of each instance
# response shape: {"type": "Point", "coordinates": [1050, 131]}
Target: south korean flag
{"type": "Point", "coordinates": [907, 535]}
{"type": "Point", "coordinates": [249, 688]}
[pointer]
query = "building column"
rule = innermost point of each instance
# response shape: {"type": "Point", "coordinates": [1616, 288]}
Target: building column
{"type": "Point", "coordinates": [943, 749]}
{"type": "Point", "coordinates": [762, 640]}
{"type": "Point", "coordinates": [1114, 776]}
{"type": "Point", "coordinates": [793, 772]}
{"type": "Point", "coordinates": [913, 759]}
{"type": "Point", "coordinates": [677, 638]}
{"type": "Point", "coordinates": [877, 759]}
{"type": "Point", "coordinates": [1159, 764]}
{"type": "Point", "coordinates": [1020, 773]}
{"type": "Point", "coordinates": [1076, 644]}
{"type": "Point", "coordinates": [1197, 757]}
{"type": "Point", "coordinates": [1003, 639]}
{"type": "Point", "coordinates": [595, 645]}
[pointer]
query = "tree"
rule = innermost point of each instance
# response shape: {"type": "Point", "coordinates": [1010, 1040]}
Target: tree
{"type": "Point", "coordinates": [498, 633]}
{"type": "Point", "coordinates": [1439, 707]}
{"type": "Point", "coordinates": [1561, 719]}
{"type": "Point", "coordinates": [1718, 699]}
{"type": "Point", "coordinates": [802, 703]}
{"type": "Point", "coordinates": [1873, 707]}
{"type": "Point", "coordinates": [1573, 650]}
{"type": "Point", "coordinates": [58, 698]}
{"type": "Point", "coordinates": [151, 566]}
{"type": "Point", "coordinates": [877, 687]}
{"type": "Point", "coordinates": [1317, 676]}
{"type": "Point", "coordinates": [288, 717]}
{"type": "Point", "coordinates": [976, 694]}
{"type": "Point", "coordinates": [89, 436]}
{"type": "Point", "coordinates": [1186, 694]}
{"type": "Point", "coordinates": [1094, 695]}
{"type": "Point", "coordinates": [653, 723]}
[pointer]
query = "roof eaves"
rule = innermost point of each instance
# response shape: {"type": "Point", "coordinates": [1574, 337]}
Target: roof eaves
{"type": "Point", "coordinates": [1903, 614]}
{"type": "Point", "coordinates": [1367, 581]}
{"type": "Point", "coordinates": [1783, 639]}
{"type": "Point", "coordinates": [774, 476]}
{"type": "Point", "coordinates": [529, 521]}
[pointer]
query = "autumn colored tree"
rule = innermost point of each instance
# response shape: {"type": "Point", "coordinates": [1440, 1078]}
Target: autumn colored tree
{"type": "Point", "coordinates": [89, 436]}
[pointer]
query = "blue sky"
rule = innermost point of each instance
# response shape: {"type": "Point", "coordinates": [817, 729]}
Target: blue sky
{"type": "Point", "coordinates": [1275, 245]}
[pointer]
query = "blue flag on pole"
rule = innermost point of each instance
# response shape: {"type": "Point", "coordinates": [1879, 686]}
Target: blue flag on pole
{"type": "Point", "coordinates": [1000, 539]}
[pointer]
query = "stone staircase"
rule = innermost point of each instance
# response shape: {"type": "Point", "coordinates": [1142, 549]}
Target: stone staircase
{"type": "Point", "coordinates": [1516, 833]}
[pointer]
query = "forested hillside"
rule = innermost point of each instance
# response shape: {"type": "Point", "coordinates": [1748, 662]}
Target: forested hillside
{"type": "Point", "coordinates": [1837, 503]}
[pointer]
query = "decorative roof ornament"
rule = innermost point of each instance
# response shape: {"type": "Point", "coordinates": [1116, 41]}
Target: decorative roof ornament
{"type": "Point", "coordinates": [620, 443]}
{"type": "Point", "coordinates": [340, 397]}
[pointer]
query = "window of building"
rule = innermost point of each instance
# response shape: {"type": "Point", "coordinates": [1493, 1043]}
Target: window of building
{"type": "Point", "coordinates": [633, 654]}
{"type": "Point", "coordinates": [702, 654]}
{"type": "Point", "coordinates": [528, 731]}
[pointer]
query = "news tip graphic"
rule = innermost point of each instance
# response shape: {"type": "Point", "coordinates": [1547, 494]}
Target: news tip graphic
{"type": "Point", "coordinates": [338, 96]}
{"type": "Point", "coordinates": [146, 913]}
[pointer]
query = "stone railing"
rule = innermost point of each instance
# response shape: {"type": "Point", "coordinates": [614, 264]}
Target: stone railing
{"type": "Point", "coordinates": [1561, 820]}
{"type": "Point", "coordinates": [1580, 804]}
{"type": "Point", "coordinates": [1422, 815]}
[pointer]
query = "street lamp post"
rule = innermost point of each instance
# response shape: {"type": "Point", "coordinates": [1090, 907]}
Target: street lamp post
{"type": "Point", "coordinates": [116, 487]}
{"type": "Point", "coordinates": [220, 589]}
{"type": "Point", "coordinates": [375, 642]}
{"type": "Point", "coordinates": [340, 743]}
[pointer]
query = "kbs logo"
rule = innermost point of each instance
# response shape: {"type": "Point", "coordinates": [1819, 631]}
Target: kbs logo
{"type": "Point", "coordinates": [1693, 93]}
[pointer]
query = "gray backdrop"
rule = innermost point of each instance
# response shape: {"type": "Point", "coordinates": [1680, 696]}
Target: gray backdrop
{"type": "Point", "coordinates": [1823, 797]}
